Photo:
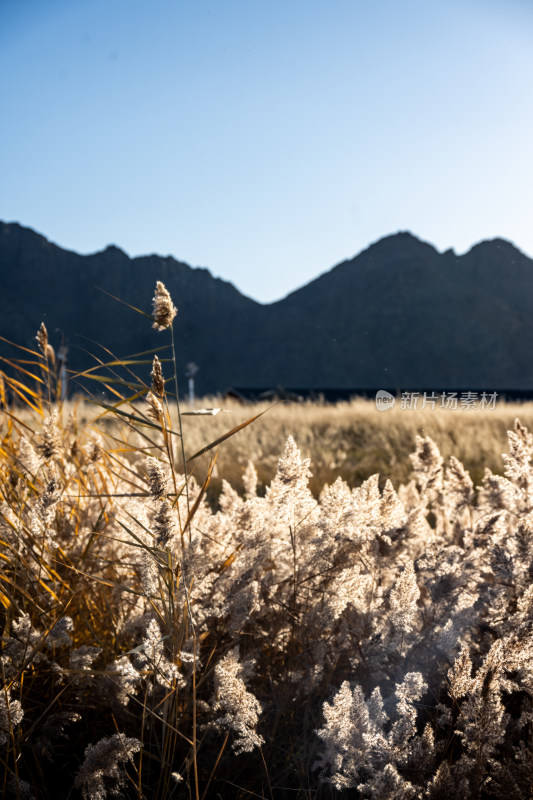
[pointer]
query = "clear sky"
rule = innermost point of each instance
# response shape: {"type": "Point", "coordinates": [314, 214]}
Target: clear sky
{"type": "Point", "coordinates": [270, 140]}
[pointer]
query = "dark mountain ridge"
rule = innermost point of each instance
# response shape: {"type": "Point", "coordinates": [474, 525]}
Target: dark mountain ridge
{"type": "Point", "coordinates": [399, 314]}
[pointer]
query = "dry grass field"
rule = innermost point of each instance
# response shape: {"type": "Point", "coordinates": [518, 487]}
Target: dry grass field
{"type": "Point", "coordinates": [177, 623]}
{"type": "Point", "coordinates": [353, 440]}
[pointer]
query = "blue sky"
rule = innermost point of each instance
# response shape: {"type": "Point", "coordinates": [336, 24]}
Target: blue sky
{"type": "Point", "coordinates": [267, 141]}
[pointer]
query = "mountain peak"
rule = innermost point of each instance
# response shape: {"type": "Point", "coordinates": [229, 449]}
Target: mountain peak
{"type": "Point", "coordinates": [496, 246]}
{"type": "Point", "coordinates": [403, 241]}
{"type": "Point", "coordinates": [113, 250]}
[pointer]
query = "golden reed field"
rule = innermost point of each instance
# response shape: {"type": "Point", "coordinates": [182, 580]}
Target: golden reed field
{"type": "Point", "coordinates": [295, 601]}
{"type": "Point", "coordinates": [353, 440]}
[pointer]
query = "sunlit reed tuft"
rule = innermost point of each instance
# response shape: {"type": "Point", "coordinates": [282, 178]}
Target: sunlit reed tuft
{"type": "Point", "coordinates": [157, 479]}
{"type": "Point", "coordinates": [158, 382]}
{"type": "Point", "coordinates": [163, 309]}
{"type": "Point", "coordinates": [45, 347]}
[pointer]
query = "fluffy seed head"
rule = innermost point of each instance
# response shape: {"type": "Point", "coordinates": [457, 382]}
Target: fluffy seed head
{"type": "Point", "coordinates": [403, 599]}
{"type": "Point", "coordinates": [164, 310]}
{"type": "Point", "coordinates": [155, 409]}
{"type": "Point", "coordinates": [104, 760]}
{"type": "Point", "coordinates": [42, 338]}
{"type": "Point", "coordinates": [46, 348]}
{"type": "Point", "coordinates": [156, 476]}
{"type": "Point", "coordinates": [163, 527]}
{"type": "Point", "coordinates": [158, 382]}
{"type": "Point", "coordinates": [50, 444]}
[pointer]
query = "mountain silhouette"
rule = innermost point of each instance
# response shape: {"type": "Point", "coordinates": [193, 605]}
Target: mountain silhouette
{"type": "Point", "coordinates": [400, 314]}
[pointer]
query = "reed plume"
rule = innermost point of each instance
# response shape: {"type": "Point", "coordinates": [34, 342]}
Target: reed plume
{"type": "Point", "coordinates": [158, 382]}
{"type": "Point", "coordinates": [163, 309]}
{"type": "Point", "coordinates": [45, 347]}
